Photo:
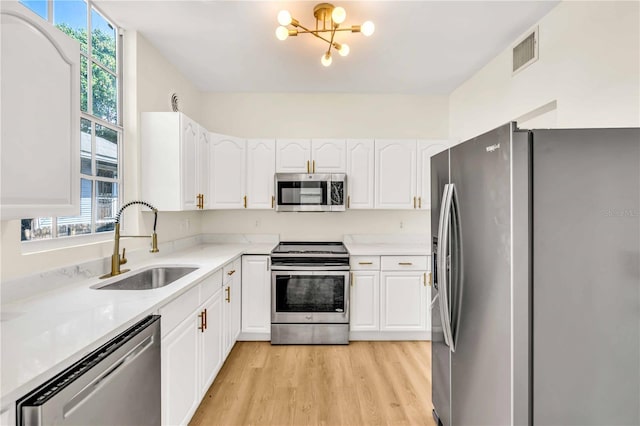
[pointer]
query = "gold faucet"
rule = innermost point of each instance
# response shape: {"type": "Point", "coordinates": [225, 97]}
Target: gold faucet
{"type": "Point", "coordinates": [116, 260]}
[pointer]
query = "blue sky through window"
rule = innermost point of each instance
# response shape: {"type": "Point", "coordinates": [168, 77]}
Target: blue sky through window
{"type": "Point", "coordinates": [70, 12]}
{"type": "Point", "coordinates": [38, 6]}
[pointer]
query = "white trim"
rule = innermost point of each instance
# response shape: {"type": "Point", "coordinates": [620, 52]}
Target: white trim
{"type": "Point", "coordinates": [57, 243]}
{"type": "Point", "coordinates": [389, 335]}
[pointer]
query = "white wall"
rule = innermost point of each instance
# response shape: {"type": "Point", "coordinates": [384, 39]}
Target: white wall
{"type": "Point", "coordinates": [149, 81]}
{"type": "Point", "coordinates": [290, 115]}
{"type": "Point", "coordinates": [316, 226]}
{"type": "Point", "coordinates": [587, 75]}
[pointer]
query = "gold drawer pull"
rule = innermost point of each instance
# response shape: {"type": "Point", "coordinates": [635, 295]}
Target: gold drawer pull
{"type": "Point", "coordinates": [419, 202]}
{"type": "Point", "coordinates": [352, 279]}
{"type": "Point", "coordinates": [273, 201]}
{"type": "Point", "coordinates": [228, 298]}
{"type": "Point", "coordinates": [365, 263]}
{"type": "Point", "coordinates": [405, 263]}
{"type": "Point", "coordinates": [231, 272]}
{"type": "Point", "coordinates": [424, 279]}
{"type": "Point", "coordinates": [201, 326]}
{"type": "Point", "coordinates": [414, 202]}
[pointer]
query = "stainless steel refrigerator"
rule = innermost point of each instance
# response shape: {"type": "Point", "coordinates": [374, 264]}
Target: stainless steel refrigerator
{"type": "Point", "coordinates": [536, 250]}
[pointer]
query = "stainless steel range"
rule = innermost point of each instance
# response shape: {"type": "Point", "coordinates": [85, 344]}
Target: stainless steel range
{"type": "Point", "coordinates": [310, 293]}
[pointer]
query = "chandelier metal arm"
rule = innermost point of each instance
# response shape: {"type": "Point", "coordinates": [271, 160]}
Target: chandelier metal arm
{"type": "Point", "coordinates": [315, 33]}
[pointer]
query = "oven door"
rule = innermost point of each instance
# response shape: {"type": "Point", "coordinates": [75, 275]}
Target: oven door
{"type": "Point", "coordinates": [300, 297]}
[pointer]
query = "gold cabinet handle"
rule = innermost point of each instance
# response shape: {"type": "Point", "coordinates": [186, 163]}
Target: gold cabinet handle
{"type": "Point", "coordinates": [352, 279]}
{"type": "Point", "coordinates": [424, 279]}
{"type": "Point", "coordinates": [201, 316]}
{"type": "Point", "coordinates": [314, 166]}
{"type": "Point", "coordinates": [245, 201]}
{"type": "Point", "coordinates": [419, 202]}
{"type": "Point", "coordinates": [308, 167]}
{"type": "Point", "coordinates": [365, 263]}
{"type": "Point", "coordinates": [231, 272]}
{"type": "Point", "coordinates": [273, 201]}
{"type": "Point", "coordinates": [430, 279]}
{"type": "Point", "coordinates": [349, 201]}
{"type": "Point", "coordinates": [414, 202]}
{"type": "Point", "coordinates": [205, 318]}
{"type": "Point", "coordinates": [228, 298]}
{"type": "Point", "coordinates": [405, 263]}
{"type": "Point", "coordinates": [200, 202]}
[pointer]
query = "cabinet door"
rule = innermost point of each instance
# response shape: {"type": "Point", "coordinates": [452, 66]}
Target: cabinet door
{"type": "Point", "coordinates": [189, 130]}
{"type": "Point", "coordinates": [180, 373]}
{"type": "Point", "coordinates": [293, 156]}
{"type": "Point", "coordinates": [204, 157]}
{"type": "Point", "coordinates": [256, 294]}
{"type": "Point", "coordinates": [360, 173]}
{"type": "Point", "coordinates": [328, 156]}
{"type": "Point", "coordinates": [211, 346]}
{"type": "Point", "coordinates": [40, 132]}
{"type": "Point", "coordinates": [228, 172]}
{"type": "Point", "coordinates": [236, 300]}
{"type": "Point", "coordinates": [426, 149]}
{"type": "Point", "coordinates": [395, 174]}
{"type": "Point", "coordinates": [403, 301]}
{"type": "Point", "coordinates": [261, 168]}
{"type": "Point", "coordinates": [365, 301]}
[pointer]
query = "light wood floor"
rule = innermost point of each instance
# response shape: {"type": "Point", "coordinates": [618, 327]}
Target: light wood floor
{"type": "Point", "coordinates": [364, 383]}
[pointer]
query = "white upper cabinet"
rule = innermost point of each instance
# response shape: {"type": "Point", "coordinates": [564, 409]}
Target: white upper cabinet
{"type": "Point", "coordinates": [328, 156]}
{"type": "Point", "coordinates": [40, 136]}
{"type": "Point", "coordinates": [395, 172]}
{"type": "Point", "coordinates": [190, 130]}
{"type": "Point", "coordinates": [261, 168]}
{"type": "Point", "coordinates": [228, 171]}
{"type": "Point", "coordinates": [169, 160]}
{"type": "Point", "coordinates": [293, 156]}
{"type": "Point", "coordinates": [311, 156]}
{"type": "Point", "coordinates": [360, 173]}
{"type": "Point", "coordinates": [426, 149]}
{"type": "Point", "coordinates": [205, 147]}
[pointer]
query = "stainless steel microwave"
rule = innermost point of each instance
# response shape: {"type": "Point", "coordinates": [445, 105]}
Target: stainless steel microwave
{"type": "Point", "coordinates": [314, 192]}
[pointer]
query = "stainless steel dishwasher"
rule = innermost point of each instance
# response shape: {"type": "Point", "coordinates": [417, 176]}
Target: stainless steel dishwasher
{"type": "Point", "coordinates": [117, 384]}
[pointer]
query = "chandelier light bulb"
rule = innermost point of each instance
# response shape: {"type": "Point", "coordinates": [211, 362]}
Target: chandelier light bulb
{"type": "Point", "coordinates": [339, 15]}
{"type": "Point", "coordinates": [284, 18]}
{"type": "Point", "coordinates": [282, 33]}
{"type": "Point", "coordinates": [344, 49]}
{"type": "Point", "coordinates": [367, 28]}
{"type": "Point", "coordinates": [326, 59]}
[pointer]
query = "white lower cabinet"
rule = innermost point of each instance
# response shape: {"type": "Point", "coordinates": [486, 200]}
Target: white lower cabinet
{"type": "Point", "coordinates": [390, 298]}
{"type": "Point", "coordinates": [365, 301]}
{"type": "Point", "coordinates": [232, 306]}
{"type": "Point", "coordinates": [192, 348]}
{"type": "Point", "coordinates": [256, 298]}
{"type": "Point", "coordinates": [180, 382]}
{"type": "Point", "coordinates": [403, 302]}
{"type": "Point", "coordinates": [211, 347]}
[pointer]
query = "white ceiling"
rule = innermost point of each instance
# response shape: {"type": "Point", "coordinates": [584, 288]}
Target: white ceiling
{"type": "Point", "coordinates": [419, 47]}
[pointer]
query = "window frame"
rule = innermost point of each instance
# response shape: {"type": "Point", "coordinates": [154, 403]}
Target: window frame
{"type": "Point", "coordinates": [60, 241]}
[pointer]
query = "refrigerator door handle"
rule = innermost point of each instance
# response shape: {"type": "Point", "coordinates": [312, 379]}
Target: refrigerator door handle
{"type": "Point", "coordinates": [457, 268]}
{"type": "Point", "coordinates": [443, 247]}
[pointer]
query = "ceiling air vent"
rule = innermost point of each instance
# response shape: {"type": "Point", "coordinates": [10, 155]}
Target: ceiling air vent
{"type": "Point", "coordinates": [526, 51]}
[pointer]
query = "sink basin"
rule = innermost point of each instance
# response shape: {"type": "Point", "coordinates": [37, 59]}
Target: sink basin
{"type": "Point", "coordinates": [149, 279]}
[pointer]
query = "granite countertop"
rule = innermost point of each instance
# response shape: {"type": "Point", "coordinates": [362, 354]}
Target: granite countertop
{"type": "Point", "coordinates": [44, 334]}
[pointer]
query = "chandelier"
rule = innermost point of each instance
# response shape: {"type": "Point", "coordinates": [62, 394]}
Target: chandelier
{"type": "Point", "coordinates": [328, 20]}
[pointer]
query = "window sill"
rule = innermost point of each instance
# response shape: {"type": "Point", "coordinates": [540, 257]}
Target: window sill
{"type": "Point", "coordinates": [29, 247]}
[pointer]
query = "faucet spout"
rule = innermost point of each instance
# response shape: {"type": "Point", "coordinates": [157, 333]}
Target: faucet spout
{"type": "Point", "coordinates": [116, 260]}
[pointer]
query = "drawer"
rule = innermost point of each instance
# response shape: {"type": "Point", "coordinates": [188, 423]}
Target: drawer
{"type": "Point", "coordinates": [210, 285]}
{"type": "Point", "coordinates": [174, 312]}
{"type": "Point", "coordinates": [364, 263]}
{"type": "Point", "coordinates": [230, 269]}
{"type": "Point", "coordinates": [404, 263]}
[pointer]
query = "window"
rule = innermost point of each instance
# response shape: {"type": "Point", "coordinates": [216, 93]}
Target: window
{"type": "Point", "coordinates": [100, 123]}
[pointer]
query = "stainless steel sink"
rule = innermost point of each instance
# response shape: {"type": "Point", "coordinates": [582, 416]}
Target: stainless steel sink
{"type": "Point", "coordinates": [149, 279]}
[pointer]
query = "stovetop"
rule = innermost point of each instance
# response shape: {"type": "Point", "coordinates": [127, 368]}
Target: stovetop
{"type": "Point", "coordinates": [310, 248]}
